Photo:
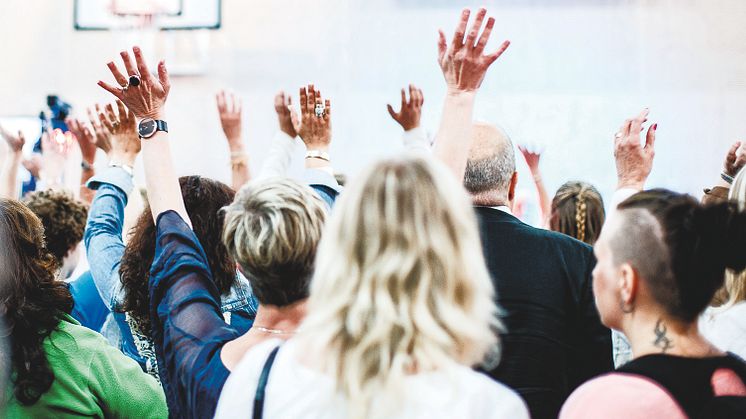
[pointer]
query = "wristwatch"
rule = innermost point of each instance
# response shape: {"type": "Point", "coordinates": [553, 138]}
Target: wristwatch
{"type": "Point", "coordinates": [148, 127]}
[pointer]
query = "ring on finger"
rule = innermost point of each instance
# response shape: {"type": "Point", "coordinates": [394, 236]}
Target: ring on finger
{"type": "Point", "coordinates": [134, 80]}
{"type": "Point", "coordinates": [618, 135]}
{"type": "Point", "coordinates": [319, 109]}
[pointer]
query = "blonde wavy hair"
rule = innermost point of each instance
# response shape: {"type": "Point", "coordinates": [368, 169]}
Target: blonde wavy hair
{"type": "Point", "coordinates": [401, 285]}
{"type": "Point", "coordinates": [272, 229]}
{"type": "Point", "coordinates": [734, 290]}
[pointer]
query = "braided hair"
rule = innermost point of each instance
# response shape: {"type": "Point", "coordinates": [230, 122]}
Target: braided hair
{"type": "Point", "coordinates": [578, 211]}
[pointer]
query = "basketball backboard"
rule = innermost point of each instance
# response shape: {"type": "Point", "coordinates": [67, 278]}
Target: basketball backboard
{"type": "Point", "coordinates": [164, 14]}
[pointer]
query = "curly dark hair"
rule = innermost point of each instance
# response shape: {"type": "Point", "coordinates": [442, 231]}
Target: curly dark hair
{"type": "Point", "coordinates": [204, 199]}
{"type": "Point", "coordinates": [31, 298]}
{"type": "Point", "coordinates": [63, 218]}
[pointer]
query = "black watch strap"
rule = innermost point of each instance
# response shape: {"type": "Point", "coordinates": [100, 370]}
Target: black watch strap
{"type": "Point", "coordinates": [161, 125]}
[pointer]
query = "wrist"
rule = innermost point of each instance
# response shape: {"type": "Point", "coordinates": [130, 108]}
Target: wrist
{"type": "Point", "coordinates": [122, 159]}
{"type": "Point", "coordinates": [454, 91]}
{"type": "Point", "coordinates": [411, 127]}
{"type": "Point", "coordinates": [637, 185]}
{"type": "Point", "coordinates": [154, 114]}
{"type": "Point", "coordinates": [235, 145]}
{"type": "Point", "coordinates": [318, 147]}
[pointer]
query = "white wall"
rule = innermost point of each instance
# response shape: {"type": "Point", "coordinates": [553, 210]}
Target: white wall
{"type": "Point", "coordinates": [575, 71]}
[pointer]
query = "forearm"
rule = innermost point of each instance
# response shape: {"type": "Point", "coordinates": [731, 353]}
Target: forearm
{"type": "Point", "coordinates": [104, 245]}
{"type": "Point", "coordinates": [240, 174]}
{"type": "Point", "coordinates": [164, 192]}
{"type": "Point", "coordinates": [86, 194]}
{"type": "Point", "coordinates": [280, 154]}
{"type": "Point", "coordinates": [8, 179]}
{"type": "Point", "coordinates": [545, 203]}
{"type": "Point", "coordinates": [453, 141]}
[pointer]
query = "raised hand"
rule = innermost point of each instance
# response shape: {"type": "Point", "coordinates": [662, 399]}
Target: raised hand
{"type": "Point", "coordinates": [84, 137]}
{"type": "Point", "coordinates": [148, 98]}
{"type": "Point", "coordinates": [121, 123]}
{"type": "Point", "coordinates": [15, 141]}
{"type": "Point", "coordinates": [634, 162]}
{"type": "Point", "coordinates": [286, 115]}
{"type": "Point", "coordinates": [229, 109]}
{"type": "Point", "coordinates": [734, 161]}
{"type": "Point", "coordinates": [316, 126]}
{"type": "Point", "coordinates": [411, 110]}
{"type": "Point", "coordinates": [102, 135]}
{"type": "Point", "coordinates": [464, 63]}
{"type": "Point", "coordinates": [532, 158]}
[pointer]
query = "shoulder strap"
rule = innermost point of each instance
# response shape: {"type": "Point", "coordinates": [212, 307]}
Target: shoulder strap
{"type": "Point", "coordinates": [262, 385]}
{"type": "Point", "coordinates": [687, 380]}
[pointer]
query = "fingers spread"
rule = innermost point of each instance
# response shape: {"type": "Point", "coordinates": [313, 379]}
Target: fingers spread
{"type": "Point", "coordinates": [475, 27]}
{"type": "Point", "coordinates": [142, 66]}
{"type": "Point", "coordinates": [458, 37]}
{"type": "Point", "coordinates": [118, 76]}
{"type": "Point", "coordinates": [442, 45]}
{"type": "Point", "coordinates": [392, 112]}
{"type": "Point", "coordinates": [117, 92]}
{"type": "Point", "coordinates": [485, 35]}
{"type": "Point", "coordinates": [128, 65]}
{"type": "Point", "coordinates": [495, 55]}
{"type": "Point", "coordinates": [650, 137]}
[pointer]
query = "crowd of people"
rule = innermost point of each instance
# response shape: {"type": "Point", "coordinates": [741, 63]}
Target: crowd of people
{"type": "Point", "coordinates": [411, 292]}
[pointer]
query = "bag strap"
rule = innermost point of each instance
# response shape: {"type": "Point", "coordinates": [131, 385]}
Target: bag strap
{"type": "Point", "coordinates": [262, 384]}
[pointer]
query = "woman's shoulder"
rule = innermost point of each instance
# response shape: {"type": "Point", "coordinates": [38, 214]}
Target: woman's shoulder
{"type": "Point", "coordinates": [240, 386]}
{"type": "Point", "coordinates": [620, 395]}
{"type": "Point", "coordinates": [489, 397]}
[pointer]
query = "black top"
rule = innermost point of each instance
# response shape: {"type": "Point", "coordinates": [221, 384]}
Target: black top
{"type": "Point", "coordinates": [689, 381]}
{"type": "Point", "coordinates": [555, 340]}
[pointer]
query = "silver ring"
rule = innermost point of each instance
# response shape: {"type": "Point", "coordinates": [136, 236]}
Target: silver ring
{"type": "Point", "coordinates": [319, 109]}
{"type": "Point", "coordinates": [134, 80]}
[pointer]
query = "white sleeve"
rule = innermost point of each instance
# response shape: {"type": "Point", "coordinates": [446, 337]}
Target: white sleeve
{"type": "Point", "coordinates": [415, 140]}
{"type": "Point", "coordinates": [280, 155]}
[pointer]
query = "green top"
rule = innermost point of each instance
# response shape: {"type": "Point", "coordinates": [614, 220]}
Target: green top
{"type": "Point", "coordinates": [91, 379]}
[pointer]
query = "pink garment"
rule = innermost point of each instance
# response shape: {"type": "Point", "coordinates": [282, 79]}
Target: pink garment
{"type": "Point", "coordinates": [626, 396]}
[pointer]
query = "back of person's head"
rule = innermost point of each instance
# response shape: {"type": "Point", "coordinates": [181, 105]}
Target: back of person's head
{"type": "Point", "coordinates": [64, 220]}
{"type": "Point", "coordinates": [400, 284]}
{"type": "Point", "coordinates": [272, 229]}
{"type": "Point", "coordinates": [491, 165]}
{"type": "Point", "coordinates": [578, 211]}
{"type": "Point", "coordinates": [31, 299]}
{"type": "Point", "coordinates": [679, 248]}
{"type": "Point", "coordinates": [203, 199]}
{"type": "Point", "coordinates": [734, 290]}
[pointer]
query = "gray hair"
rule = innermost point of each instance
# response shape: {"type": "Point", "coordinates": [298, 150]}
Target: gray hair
{"type": "Point", "coordinates": [491, 162]}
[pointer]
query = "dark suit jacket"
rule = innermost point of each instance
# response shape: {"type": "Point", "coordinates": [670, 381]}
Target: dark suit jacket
{"type": "Point", "coordinates": [554, 340]}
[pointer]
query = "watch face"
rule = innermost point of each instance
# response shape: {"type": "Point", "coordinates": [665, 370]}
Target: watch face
{"type": "Point", "coordinates": [146, 128]}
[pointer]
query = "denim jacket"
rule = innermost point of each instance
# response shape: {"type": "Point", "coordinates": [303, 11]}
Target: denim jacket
{"type": "Point", "coordinates": [105, 248]}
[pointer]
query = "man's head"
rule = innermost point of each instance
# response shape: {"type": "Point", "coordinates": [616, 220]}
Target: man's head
{"type": "Point", "coordinates": [490, 174]}
{"type": "Point", "coordinates": [64, 220]}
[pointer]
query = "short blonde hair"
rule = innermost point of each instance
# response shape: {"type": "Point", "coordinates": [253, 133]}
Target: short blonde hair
{"type": "Point", "coordinates": [401, 284]}
{"type": "Point", "coordinates": [272, 229]}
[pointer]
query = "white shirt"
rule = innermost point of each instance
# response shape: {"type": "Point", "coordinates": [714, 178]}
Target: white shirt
{"type": "Point", "coordinates": [296, 391]}
{"type": "Point", "coordinates": [726, 329]}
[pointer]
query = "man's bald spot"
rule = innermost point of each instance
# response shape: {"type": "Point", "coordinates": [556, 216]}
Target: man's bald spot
{"type": "Point", "coordinates": [491, 164]}
{"type": "Point", "coordinates": [487, 141]}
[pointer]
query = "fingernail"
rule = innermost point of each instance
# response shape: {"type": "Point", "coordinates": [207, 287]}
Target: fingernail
{"type": "Point", "coordinates": [655, 126]}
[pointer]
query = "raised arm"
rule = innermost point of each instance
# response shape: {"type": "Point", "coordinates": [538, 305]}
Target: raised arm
{"type": "Point", "coordinates": [112, 186]}
{"type": "Point", "coordinates": [229, 110]}
{"type": "Point", "coordinates": [408, 117]}
{"type": "Point", "coordinates": [9, 171]}
{"type": "Point", "coordinates": [281, 149]}
{"type": "Point", "coordinates": [545, 203]}
{"type": "Point", "coordinates": [315, 128]}
{"type": "Point", "coordinates": [464, 66]}
{"type": "Point", "coordinates": [735, 160]}
{"type": "Point", "coordinates": [86, 141]}
{"type": "Point", "coordinates": [634, 161]}
{"type": "Point", "coordinates": [187, 326]}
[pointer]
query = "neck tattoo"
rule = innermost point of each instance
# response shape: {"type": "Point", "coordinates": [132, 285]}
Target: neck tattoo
{"type": "Point", "coordinates": [661, 340]}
